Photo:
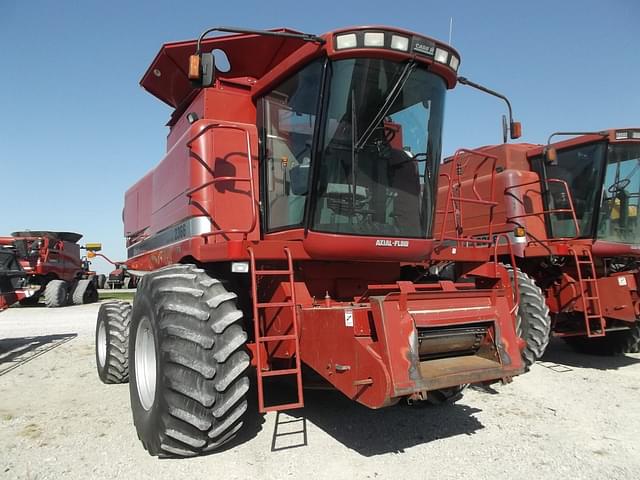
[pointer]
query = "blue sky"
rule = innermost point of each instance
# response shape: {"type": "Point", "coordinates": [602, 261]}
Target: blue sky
{"type": "Point", "coordinates": [76, 129]}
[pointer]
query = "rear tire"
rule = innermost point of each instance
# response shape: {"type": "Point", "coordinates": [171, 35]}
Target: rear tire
{"type": "Point", "coordinates": [112, 342]}
{"type": "Point", "coordinates": [56, 293]}
{"type": "Point", "coordinates": [189, 381]}
{"type": "Point", "coordinates": [100, 281]}
{"type": "Point", "coordinates": [442, 396]}
{"type": "Point", "coordinates": [533, 322]}
{"type": "Point", "coordinates": [445, 395]}
{"type": "Point", "coordinates": [85, 292]}
{"type": "Point", "coordinates": [613, 343]}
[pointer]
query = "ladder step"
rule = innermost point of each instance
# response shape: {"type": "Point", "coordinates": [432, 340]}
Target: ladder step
{"type": "Point", "coordinates": [274, 304]}
{"type": "Point", "coordinates": [286, 406]}
{"type": "Point", "coordinates": [277, 338]}
{"type": "Point", "coordinates": [278, 373]}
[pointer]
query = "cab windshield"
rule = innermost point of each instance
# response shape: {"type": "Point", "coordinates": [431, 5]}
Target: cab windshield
{"type": "Point", "coordinates": [618, 220]}
{"type": "Point", "coordinates": [380, 146]}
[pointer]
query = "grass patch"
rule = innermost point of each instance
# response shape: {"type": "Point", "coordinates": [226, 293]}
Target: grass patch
{"type": "Point", "coordinates": [115, 295]}
{"type": "Point", "coordinates": [32, 431]}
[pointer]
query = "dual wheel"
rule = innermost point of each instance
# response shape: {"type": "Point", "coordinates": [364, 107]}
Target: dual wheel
{"type": "Point", "coordinates": [182, 349]}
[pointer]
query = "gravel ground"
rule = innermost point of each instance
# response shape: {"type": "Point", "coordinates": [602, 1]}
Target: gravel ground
{"type": "Point", "coordinates": [573, 416]}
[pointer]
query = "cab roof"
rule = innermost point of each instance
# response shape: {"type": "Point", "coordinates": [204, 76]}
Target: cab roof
{"type": "Point", "coordinates": [64, 236]}
{"type": "Point", "coordinates": [249, 55]}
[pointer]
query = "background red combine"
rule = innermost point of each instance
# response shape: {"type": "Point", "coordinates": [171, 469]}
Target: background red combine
{"type": "Point", "coordinates": [289, 228]}
{"type": "Point", "coordinates": [571, 209]}
{"type": "Point", "coordinates": [46, 264]}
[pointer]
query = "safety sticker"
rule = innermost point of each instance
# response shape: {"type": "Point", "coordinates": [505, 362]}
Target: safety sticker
{"type": "Point", "coordinates": [622, 281]}
{"type": "Point", "coordinates": [348, 318]}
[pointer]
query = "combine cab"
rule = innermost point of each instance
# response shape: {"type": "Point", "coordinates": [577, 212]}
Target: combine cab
{"type": "Point", "coordinates": [13, 279]}
{"type": "Point", "coordinates": [288, 231]}
{"type": "Point", "coordinates": [571, 210]}
{"type": "Point", "coordinates": [44, 264]}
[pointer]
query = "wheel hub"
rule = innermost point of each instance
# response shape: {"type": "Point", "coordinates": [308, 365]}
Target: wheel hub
{"type": "Point", "coordinates": [102, 344]}
{"type": "Point", "coordinates": [145, 363]}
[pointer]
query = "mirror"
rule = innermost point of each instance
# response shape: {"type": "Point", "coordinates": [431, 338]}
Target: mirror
{"type": "Point", "coordinates": [201, 69]}
{"type": "Point", "coordinates": [551, 156]}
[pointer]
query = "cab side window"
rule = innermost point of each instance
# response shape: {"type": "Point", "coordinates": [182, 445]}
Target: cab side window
{"type": "Point", "coordinates": [288, 116]}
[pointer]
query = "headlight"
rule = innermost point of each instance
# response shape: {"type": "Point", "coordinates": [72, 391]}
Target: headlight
{"type": "Point", "coordinates": [454, 63]}
{"type": "Point", "coordinates": [399, 43]}
{"type": "Point", "coordinates": [441, 55]}
{"type": "Point", "coordinates": [622, 135]}
{"type": "Point", "coordinates": [346, 41]}
{"type": "Point", "coordinates": [374, 39]}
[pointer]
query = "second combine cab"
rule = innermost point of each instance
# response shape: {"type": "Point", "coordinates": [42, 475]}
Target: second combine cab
{"type": "Point", "coordinates": [571, 211]}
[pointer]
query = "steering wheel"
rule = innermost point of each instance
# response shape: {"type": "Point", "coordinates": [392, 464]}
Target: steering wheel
{"type": "Point", "coordinates": [619, 185]}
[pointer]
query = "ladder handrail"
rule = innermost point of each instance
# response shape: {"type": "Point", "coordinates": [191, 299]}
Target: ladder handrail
{"type": "Point", "coordinates": [294, 320]}
{"type": "Point", "coordinates": [570, 210]}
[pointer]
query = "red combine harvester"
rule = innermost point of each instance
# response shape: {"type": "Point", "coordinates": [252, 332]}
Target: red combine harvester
{"type": "Point", "coordinates": [120, 277]}
{"type": "Point", "coordinates": [286, 227]}
{"type": "Point", "coordinates": [47, 264]}
{"type": "Point", "coordinates": [571, 210]}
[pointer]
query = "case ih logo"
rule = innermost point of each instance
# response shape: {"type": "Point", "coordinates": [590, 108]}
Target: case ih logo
{"type": "Point", "coordinates": [392, 243]}
{"type": "Point", "coordinates": [424, 48]}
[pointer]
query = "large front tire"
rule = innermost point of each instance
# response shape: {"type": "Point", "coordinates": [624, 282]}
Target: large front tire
{"type": "Point", "coordinates": [533, 322]}
{"type": "Point", "coordinates": [188, 368]}
{"type": "Point", "coordinates": [112, 342]}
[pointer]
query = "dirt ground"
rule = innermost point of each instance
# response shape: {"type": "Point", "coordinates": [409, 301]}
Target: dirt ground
{"type": "Point", "coordinates": [573, 416]}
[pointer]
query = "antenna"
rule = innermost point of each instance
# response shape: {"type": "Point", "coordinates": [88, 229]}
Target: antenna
{"type": "Point", "coordinates": [450, 28]}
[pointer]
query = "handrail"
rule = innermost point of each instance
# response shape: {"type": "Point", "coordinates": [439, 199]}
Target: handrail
{"type": "Point", "coordinates": [570, 210]}
{"type": "Point", "coordinates": [516, 288]}
{"type": "Point", "coordinates": [249, 179]}
{"type": "Point", "coordinates": [478, 200]}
